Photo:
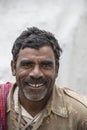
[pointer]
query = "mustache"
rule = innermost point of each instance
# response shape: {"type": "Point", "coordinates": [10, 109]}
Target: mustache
{"type": "Point", "coordinates": [33, 80]}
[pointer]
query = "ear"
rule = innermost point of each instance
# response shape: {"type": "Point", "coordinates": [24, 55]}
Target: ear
{"type": "Point", "coordinates": [13, 68]}
{"type": "Point", "coordinates": [57, 69]}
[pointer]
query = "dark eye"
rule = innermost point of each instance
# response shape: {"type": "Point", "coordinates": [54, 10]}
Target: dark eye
{"type": "Point", "coordinates": [47, 64]}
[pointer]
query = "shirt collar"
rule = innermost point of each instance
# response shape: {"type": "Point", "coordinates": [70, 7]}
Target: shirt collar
{"type": "Point", "coordinates": [57, 104]}
{"type": "Point", "coordinates": [10, 102]}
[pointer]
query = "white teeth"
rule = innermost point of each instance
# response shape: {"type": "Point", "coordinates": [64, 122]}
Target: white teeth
{"type": "Point", "coordinates": [38, 85]}
{"type": "Point", "coordinates": [35, 85]}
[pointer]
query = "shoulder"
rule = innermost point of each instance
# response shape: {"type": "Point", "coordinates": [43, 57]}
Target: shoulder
{"type": "Point", "coordinates": [76, 105]}
{"type": "Point", "coordinates": [73, 100]}
{"type": "Point", "coordinates": [75, 97]}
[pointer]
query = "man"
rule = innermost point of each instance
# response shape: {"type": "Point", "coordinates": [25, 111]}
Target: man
{"type": "Point", "coordinates": [34, 101]}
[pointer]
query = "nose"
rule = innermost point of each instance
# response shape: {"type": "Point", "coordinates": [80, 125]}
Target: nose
{"type": "Point", "coordinates": [36, 72]}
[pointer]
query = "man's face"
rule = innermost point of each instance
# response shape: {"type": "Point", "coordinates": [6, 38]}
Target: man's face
{"type": "Point", "coordinates": [36, 72]}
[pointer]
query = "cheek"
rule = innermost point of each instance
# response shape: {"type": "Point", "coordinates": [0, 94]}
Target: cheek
{"type": "Point", "coordinates": [50, 74]}
{"type": "Point", "coordinates": [22, 73]}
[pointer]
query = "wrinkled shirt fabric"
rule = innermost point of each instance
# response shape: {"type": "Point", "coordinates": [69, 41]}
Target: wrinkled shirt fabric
{"type": "Point", "coordinates": [65, 110]}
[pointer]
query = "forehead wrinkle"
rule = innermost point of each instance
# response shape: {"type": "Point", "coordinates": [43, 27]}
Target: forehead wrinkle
{"type": "Point", "coordinates": [42, 53]}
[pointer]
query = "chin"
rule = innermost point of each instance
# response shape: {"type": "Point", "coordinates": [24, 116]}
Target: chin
{"type": "Point", "coordinates": [34, 98]}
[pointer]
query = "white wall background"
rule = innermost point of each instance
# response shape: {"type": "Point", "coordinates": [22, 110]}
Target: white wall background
{"type": "Point", "coordinates": [66, 19]}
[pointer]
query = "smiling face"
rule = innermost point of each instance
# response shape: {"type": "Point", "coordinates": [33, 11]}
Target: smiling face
{"type": "Point", "coordinates": [35, 72]}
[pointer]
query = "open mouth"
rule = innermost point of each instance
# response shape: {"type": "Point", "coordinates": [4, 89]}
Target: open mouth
{"type": "Point", "coordinates": [36, 85]}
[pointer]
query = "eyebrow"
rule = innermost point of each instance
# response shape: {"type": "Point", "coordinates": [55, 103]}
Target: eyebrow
{"type": "Point", "coordinates": [29, 62]}
{"type": "Point", "coordinates": [25, 62]}
{"type": "Point", "coordinates": [47, 62]}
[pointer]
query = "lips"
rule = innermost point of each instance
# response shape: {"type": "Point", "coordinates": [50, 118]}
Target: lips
{"type": "Point", "coordinates": [35, 83]}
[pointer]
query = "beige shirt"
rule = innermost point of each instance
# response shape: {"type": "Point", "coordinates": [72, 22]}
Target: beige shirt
{"type": "Point", "coordinates": [65, 110]}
